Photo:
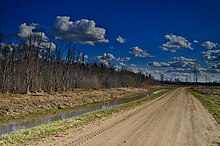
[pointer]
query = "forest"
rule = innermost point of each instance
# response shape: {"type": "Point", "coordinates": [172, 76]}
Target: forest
{"type": "Point", "coordinates": [35, 66]}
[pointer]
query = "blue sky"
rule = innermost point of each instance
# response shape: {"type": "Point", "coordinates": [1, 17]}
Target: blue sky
{"type": "Point", "coordinates": [142, 23]}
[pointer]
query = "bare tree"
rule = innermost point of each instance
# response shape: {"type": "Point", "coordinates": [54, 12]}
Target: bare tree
{"type": "Point", "coordinates": [28, 67]}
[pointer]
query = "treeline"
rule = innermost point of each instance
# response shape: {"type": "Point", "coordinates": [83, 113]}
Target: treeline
{"type": "Point", "coordinates": [26, 68]}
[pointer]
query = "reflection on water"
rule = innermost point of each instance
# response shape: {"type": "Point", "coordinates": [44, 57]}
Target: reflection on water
{"type": "Point", "coordinates": [45, 119]}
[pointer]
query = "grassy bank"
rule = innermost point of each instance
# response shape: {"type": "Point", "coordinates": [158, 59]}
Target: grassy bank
{"type": "Point", "coordinates": [54, 110]}
{"type": "Point", "coordinates": [18, 106]}
{"type": "Point", "coordinates": [43, 131]}
{"type": "Point", "coordinates": [212, 103]}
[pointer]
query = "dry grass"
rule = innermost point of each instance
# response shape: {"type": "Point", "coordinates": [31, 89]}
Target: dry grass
{"type": "Point", "coordinates": [13, 106]}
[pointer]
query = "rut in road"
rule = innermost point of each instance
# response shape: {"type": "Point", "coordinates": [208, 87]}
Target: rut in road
{"type": "Point", "coordinates": [177, 118]}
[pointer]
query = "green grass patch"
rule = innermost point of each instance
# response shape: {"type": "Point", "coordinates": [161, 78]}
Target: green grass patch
{"type": "Point", "coordinates": [210, 102]}
{"type": "Point", "coordinates": [36, 133]}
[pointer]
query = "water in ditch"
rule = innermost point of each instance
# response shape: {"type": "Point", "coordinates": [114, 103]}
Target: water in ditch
{"type": "Point", "coordinates": [13, 126]}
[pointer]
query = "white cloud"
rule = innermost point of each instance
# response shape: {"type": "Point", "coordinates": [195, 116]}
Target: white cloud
{"type": "Point", "coordinates": [133, 65]}
{"type": "Point", "coordinates": [82, 58]}
{"type": "Point", "coordinates": [184, 59]}
{"type": "Point", "coordinates": [214, 76]}
{"type": "Point", "coordinates": [179, 63]}
{"type": "Point", "coordinates": [120, 39]}
{"type": "Point", "coordinates": [179, 75]}
{"type": "Point", "coordinates": [82, 55]}
{"type": "Point", "coordinates": [209, 45]}
{"type": "Point", "coordinates": [216, 66]}
{"type": "Point", "coordinates": [213, 70]}
{"type": "Point", "coordinates": [180, 70]}
{"type": "Point", "coordinates": [164, 48]}
{"type": "Point", "coordinates": [212, 56]}
{"type": "Point", "coordinates": [182, 62]}
{"type": "Point", "coordinates": [122, 64]}
{"type": "Point", "coordinates": [49, 45]}
{"type": "Point", "coordinates": [183, 68]}
{"type": "Point", "coordinates": [25, 31]}
{"type": "Point", "coordinates": [138, 52]}
{"type": "Point", "coordinates": [38, 39]}
{"type": "Point", "coordinates": [158, 64]}
{"type": "Point", "coordinates": [195, 41]}
{"type": "Point", "coordinates": [175, 42]}
{"type": "Point", "coordinates": [123, 59]}
{"type": "Point", "coordinates": [106, 58]}
{"type": "Point", "coordinates": [212, 52]}
{"type": "Point", "coordinates": [83, 31]}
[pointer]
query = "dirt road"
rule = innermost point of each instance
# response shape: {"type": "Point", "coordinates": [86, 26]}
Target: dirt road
{"type": "Point", "coordinates": [175, 119]}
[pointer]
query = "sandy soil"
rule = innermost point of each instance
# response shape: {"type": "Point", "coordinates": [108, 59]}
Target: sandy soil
{"type": "Point", "coordinates": [12, 105]}
{"type": "Point", "coordinates": [175, 119]}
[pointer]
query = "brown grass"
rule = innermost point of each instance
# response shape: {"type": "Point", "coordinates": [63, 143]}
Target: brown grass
{"type": "Point", "coordinates": [13, 106]}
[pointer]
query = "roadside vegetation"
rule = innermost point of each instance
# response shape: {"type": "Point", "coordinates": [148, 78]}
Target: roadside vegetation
{"type": "Point", "coordinates": [43, 131]}
{"type": "Point", "coordinates": [22, 106]}
{"type": "Point", "coordinates": [208, 90]}
{"type": "Point", "coordinates": [210, 98]}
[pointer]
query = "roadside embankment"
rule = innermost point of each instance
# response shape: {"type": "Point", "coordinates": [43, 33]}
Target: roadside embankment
{"type": "Point", "coordinates": [14, 106]}
{"type": "Point", "coordinates": [210, 98]}
{"type": "Point", "coordinates": [36, 133]}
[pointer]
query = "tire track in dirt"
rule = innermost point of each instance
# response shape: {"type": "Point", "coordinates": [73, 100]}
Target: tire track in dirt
{"type": "Point", "coordinates": [176, 118]}
{"type": "Point", "coordinates": [154, 115]}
